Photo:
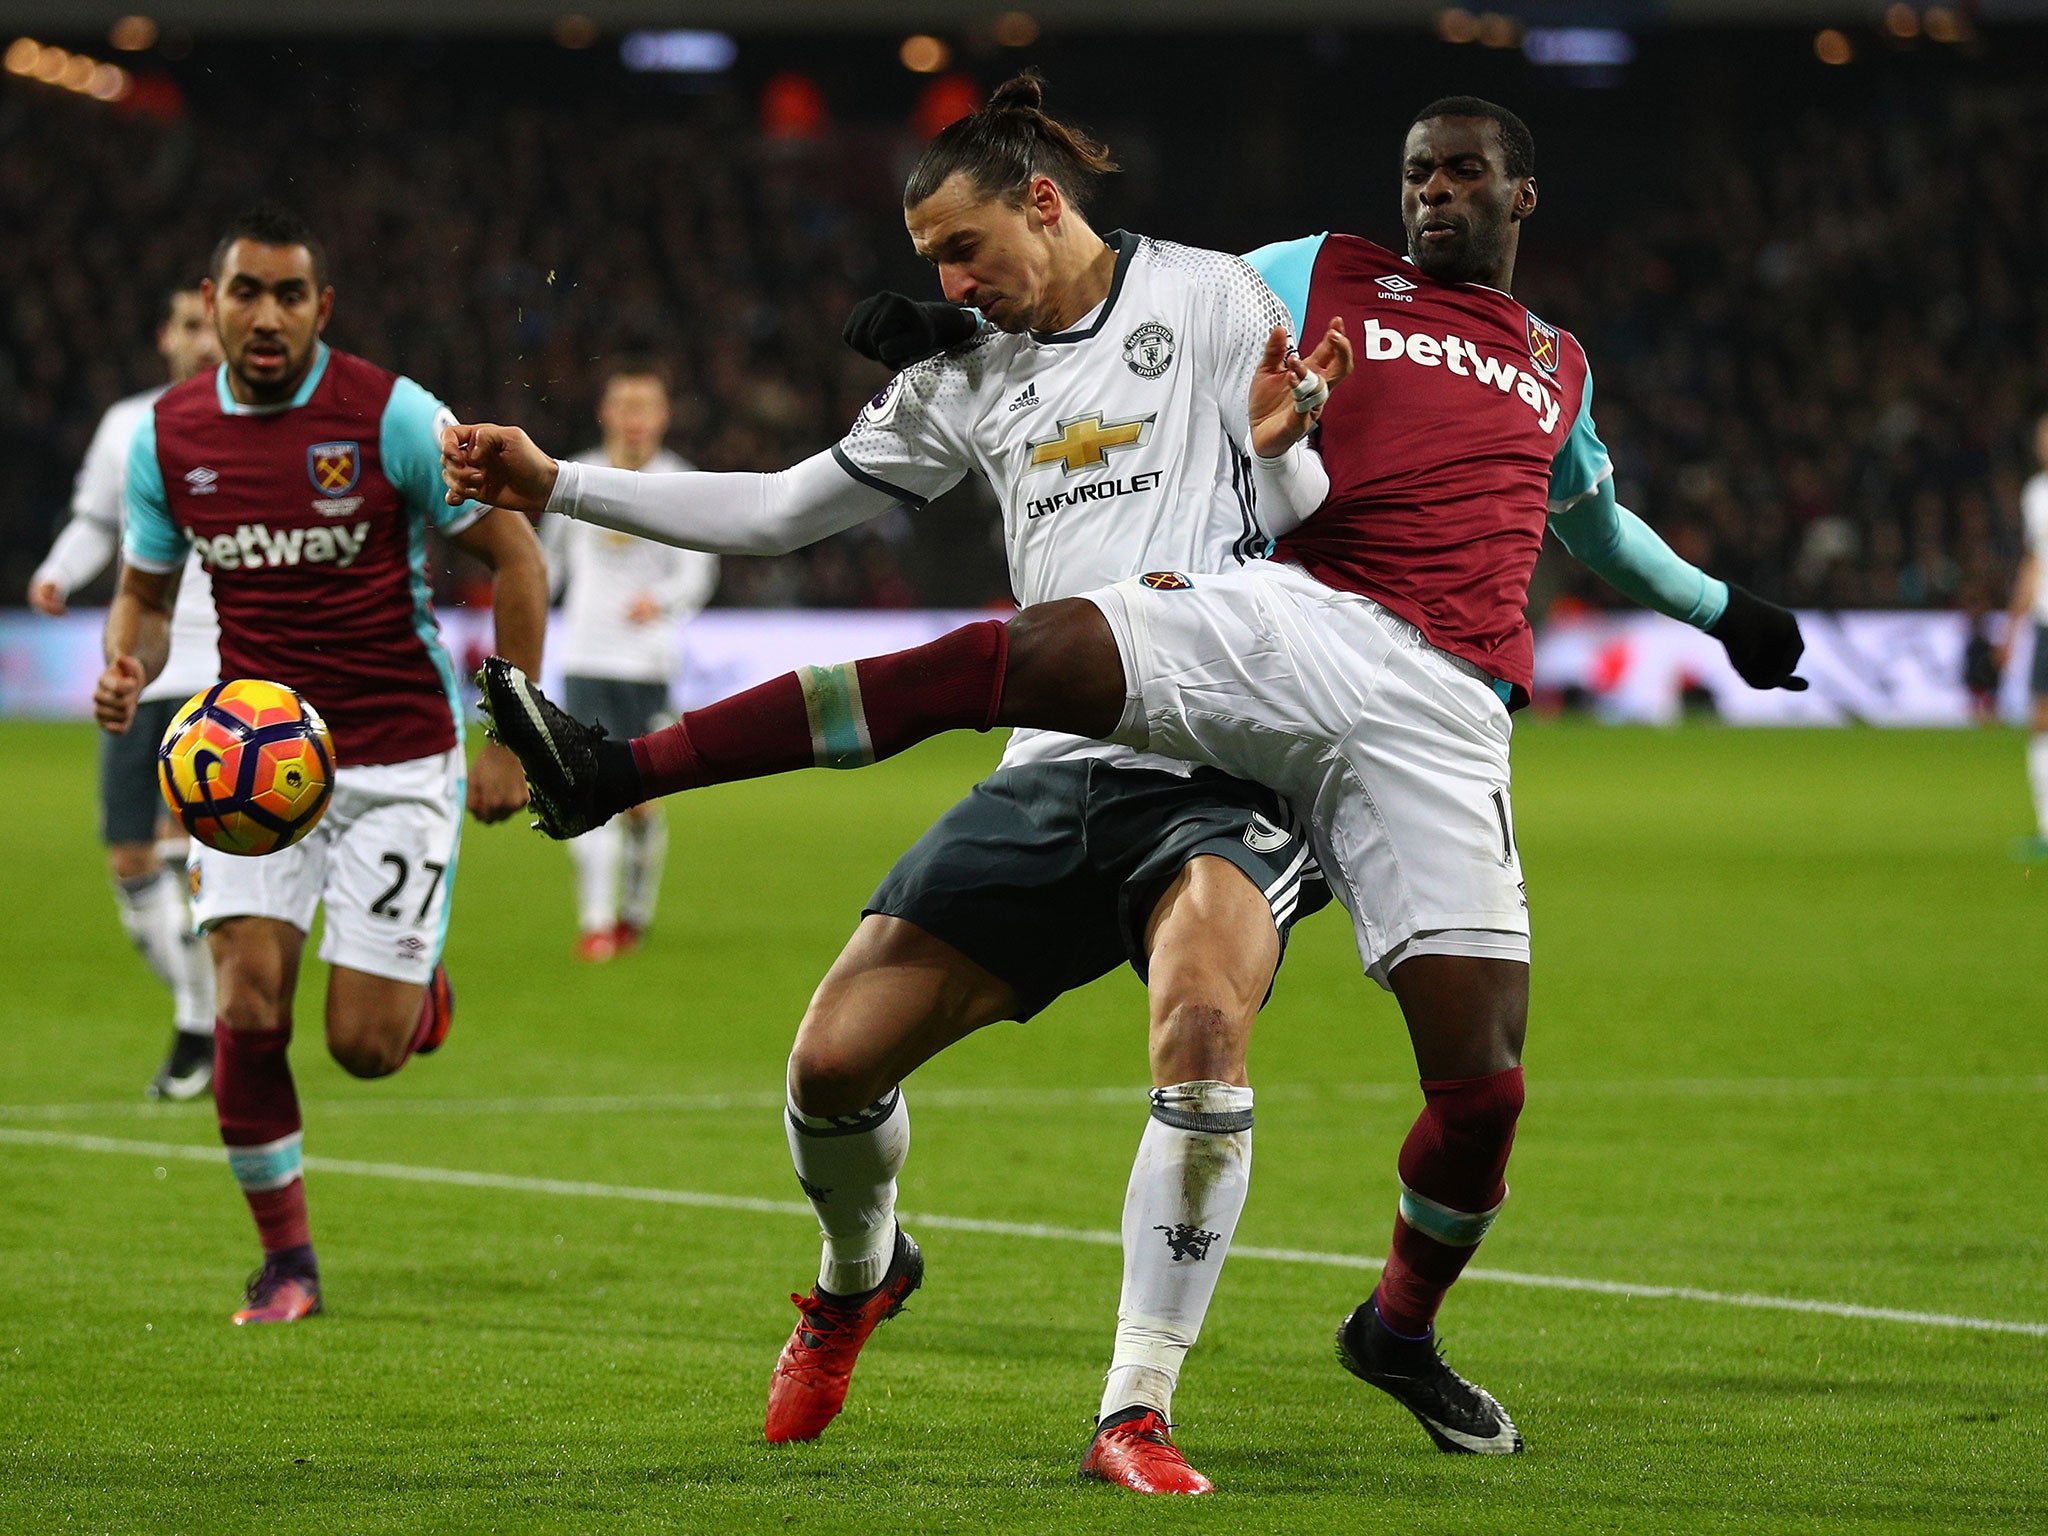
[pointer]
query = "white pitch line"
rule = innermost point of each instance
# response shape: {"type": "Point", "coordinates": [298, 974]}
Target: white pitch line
{"type": "Point", "coordinates": [981, 1098]}
{"type": "Point", "coordinates": [522, 1184]}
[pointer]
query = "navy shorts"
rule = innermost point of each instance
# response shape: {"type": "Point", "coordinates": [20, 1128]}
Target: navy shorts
{"type": "Point", "coordinates": [624, 709]}
{"type": "Point", "coordinates": [130, 801]}
{"type": "Point", "coordinates": [1047, 873]}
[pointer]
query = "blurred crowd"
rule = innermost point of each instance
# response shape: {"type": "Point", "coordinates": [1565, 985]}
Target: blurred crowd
{"type": "Point", "coordinates": [499, 256]}
{"type": "Point", "coordinates": [1818, 339]}
{"type": "Point", "coordinates": [1818, 365]}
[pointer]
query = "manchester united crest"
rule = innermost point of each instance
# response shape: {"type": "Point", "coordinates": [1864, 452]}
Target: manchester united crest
{"type": "Point", "coordinates": [334, 467]}
{"type": "Point", "coordinates": [1543, 345]}
{"type": "Point", "coordinates": [1149, 350]}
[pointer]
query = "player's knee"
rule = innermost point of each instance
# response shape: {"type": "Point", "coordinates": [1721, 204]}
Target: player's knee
{"type": "Point", "coordinates": [250, 995]}
{"type": "Point", "coordinates": [375, 1053]}
{"type": "Point", "coordinates": [132, 861]}
{"type": "Point", "coordinates": [1199, 1042]}
{"type": "Point", "coordinates": [827, 1078]}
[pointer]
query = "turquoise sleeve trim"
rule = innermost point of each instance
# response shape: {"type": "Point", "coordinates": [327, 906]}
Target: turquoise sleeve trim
{"type": "Point", "coordinates": [1582, 463]}
{"type": "Point", "coordinates": [1625, 552]}
{"type": "Point", "coordinates": [1287, 266]}
{"type": "Point", "coordinates": [151, 540]}
{"type": "Point", "coordinates": [410, 440]}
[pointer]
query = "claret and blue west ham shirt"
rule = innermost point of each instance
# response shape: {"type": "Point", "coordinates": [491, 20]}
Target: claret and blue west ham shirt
{"type": "Point", "coordinates": [1466, 422]}
{"type": "Point", "coordinates": [311, 517]}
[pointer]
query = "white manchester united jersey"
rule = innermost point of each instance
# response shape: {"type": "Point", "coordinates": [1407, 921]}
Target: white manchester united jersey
{"type": "Point", "coordinates": [1117, 448]}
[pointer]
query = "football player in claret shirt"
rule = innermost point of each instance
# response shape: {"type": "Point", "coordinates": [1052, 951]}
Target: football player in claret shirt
{"type": "Point", "coordinates": [1367, 672]}
{"type": "Point", "coordinates": [306, 480]}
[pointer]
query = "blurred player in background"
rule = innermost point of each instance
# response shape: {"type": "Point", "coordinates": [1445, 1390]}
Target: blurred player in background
{"type": "Point", "coordinates": [145, 847]}
{"type": "Point", "coordinates": [625, 602]}
{"type": "Point", "coordinates": [1105, 402]}
{"type": "Point", "coordinates": [306, 481]}
{"type": "Point", "coordinates": [2030, 606]}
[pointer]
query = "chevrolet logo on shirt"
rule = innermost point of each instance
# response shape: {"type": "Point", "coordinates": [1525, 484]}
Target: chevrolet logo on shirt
{"type": "Point", "coordinates": [1085, 442]}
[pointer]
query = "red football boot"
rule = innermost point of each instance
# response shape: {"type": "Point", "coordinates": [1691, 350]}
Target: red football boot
{"type": "Point", "coordinates": [279, 1295]}
{"type": "Point", "coordinates": [810, 1381]}
{"type": "Point", "coordinates": [437, 1012]}
{"type": "Point", "coordinates": [1133, 1450]}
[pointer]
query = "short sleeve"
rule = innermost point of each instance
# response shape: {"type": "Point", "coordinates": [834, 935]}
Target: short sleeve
{"type": "Point", "coordinates": [1582, 462]}
{"type": "Point", "coordinates": [151, 541]}
{"type": "Point", "coordinates": [901, 444]}
{"type": "Point", "coordinates": [1287, 266]}
{"type": "Point", "coordinates": [410, 446]}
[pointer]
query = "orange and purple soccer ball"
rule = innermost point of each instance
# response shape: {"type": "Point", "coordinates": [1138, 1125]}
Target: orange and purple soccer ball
{"type": "Point", "coordinates": [246, 766]}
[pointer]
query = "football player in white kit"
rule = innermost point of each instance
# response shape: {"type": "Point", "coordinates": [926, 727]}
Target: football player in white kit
{"type": "Point", "coordinates": [624, 603]}
{"type": "Point", "coordinates": [1105, 402]}
{"type": "Point", "coordinates": [145, 848]}
{"type": "Point", "coordinates": [2030, 606]}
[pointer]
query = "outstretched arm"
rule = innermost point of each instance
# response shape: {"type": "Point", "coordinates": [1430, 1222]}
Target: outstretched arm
{"type": "Point", "coordinates": [1762, 639]}
{"type": "Point", "coordinates": [721, 514]}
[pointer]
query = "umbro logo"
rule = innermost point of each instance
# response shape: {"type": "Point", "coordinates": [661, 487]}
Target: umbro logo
{"type": "Point", "coordinates": [200, 481]}
{"type": "Point", "coordinates": [1395, 286]}
{"type": "Point", "coordinates": [1026, 398]}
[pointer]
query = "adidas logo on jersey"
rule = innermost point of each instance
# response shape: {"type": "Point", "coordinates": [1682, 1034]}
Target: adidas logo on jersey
{"type": "Point", "coordinates": [1026, 398]}
{"type": "Point", "coordinates": [1383, 344]}
{"type": "Point", "coordinates": [253, 546]}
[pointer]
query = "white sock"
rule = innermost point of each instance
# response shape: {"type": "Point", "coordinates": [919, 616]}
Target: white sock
{"type": "Point", "coordinates": [597, 854]}
{"type": "Point", "coordinates": [194, 992]}
{"type": "Point", "coordinates": [848, 1164]}
{"type": "Point", "coordinates": [153, 912]}
{"type": "Point", "coordinates": [646, 854]}
{"type": "Point", "coordinates": [1187, 1190]}
{"type": "Point", "coordinates": [2037, 775]}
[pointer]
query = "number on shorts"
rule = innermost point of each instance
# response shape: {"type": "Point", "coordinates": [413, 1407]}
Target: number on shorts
{"type": "Point", "coordinates": [384, 906]}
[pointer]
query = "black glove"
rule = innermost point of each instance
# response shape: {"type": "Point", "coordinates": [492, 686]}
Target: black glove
{"type": "Point", "coordinates": [1761, 639]}
{"type": "Point", "coordinates": [897, 332]}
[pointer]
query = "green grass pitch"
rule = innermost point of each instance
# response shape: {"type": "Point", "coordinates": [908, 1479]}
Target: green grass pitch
{"type": "Point", "coordinates": [1788, 1041]}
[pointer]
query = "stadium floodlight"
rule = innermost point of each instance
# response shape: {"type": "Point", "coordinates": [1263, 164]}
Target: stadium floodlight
{"type": "Point", "coordinates": [679, 52]}
{"type": "Point", "coordinates": [1579, 47]}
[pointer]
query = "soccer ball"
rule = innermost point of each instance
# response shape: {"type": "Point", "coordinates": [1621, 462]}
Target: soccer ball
{"type": "Point", "coordinates": [246, 766]}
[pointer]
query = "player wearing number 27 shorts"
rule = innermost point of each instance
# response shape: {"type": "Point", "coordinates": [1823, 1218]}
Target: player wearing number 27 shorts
{"type": "Point", "coordinates": [305, 481]}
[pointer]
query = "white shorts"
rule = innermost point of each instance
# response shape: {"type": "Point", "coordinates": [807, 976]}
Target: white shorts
{"type": "Point", "coordinates": [1395, 751]}
{"type": "Point", "coordinates": [382, 861]}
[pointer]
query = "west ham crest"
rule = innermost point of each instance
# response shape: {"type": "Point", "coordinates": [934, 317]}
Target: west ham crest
{"type": "Point", "coordinates": [334, 467]}
{"type": "Point", "coordinates": [1166, 581]}
{"type": "Point", "coordinates": [1543, 345]}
